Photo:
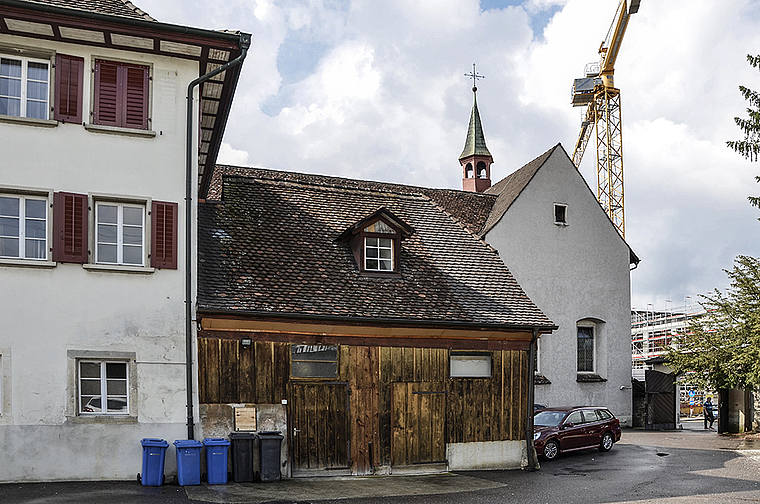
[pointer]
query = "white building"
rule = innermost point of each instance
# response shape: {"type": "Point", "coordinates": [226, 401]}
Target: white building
{"type": "Point", "coordinates": [93, 132]}
{"type": "Point", "coordinates": [567, 255]}
{"type": "Point", "coordinates": [652, 333]}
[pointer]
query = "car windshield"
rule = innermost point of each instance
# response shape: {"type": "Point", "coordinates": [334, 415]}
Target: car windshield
{"type": "Point", "coordinates": [549, 418]}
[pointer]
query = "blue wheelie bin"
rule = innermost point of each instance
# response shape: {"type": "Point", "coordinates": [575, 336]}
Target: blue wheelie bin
{"type": "Point", "coordinates": [216, 460]}
{"type": "Point", "coordinates": [188, 461]}
{"type": "Point", "coordinates": [154, 455]}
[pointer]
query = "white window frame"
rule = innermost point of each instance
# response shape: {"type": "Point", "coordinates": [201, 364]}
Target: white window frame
{"type": "Point", "coordinates": [594, 337]}
{"type": "Point", "coordinates": [120, 232]}
{"type": "Point", "coordinates": [470, 364]}
{"type": "Point", "coordinates": [103, 379]}
{"type": "Point", "coordinates": [25, 83]}
{"type": "Point", "coordinates": [557, 221]}
{"type": "Point", "coordinates": [21, 237]}
{"type": "Point", "coordinates": [379, 260]}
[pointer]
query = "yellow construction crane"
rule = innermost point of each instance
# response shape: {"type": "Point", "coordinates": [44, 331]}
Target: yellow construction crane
{"type": "Point", "coordinates": [597, 92]}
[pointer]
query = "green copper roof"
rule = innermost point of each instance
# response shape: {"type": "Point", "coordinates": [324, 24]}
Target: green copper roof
{"type": "Point", "coordinates": [475, 145]}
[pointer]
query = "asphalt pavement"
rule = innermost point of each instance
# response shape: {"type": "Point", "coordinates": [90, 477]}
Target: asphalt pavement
{"type": "Point", "coordinates": [671, 467]}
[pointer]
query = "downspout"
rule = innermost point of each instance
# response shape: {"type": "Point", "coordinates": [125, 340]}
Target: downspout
{"type": "Point", "coordinates": [529, 420]}
{"type": "Point", "coordinates": [245, 42]}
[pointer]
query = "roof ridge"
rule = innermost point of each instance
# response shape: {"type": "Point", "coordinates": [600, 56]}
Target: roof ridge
{"type": "Point", "coordinates": [358, 181]}
{"type": "Point", "coordinates": [331, 188]}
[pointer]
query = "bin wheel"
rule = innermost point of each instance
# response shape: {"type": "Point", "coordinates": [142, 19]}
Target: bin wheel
{"type": "Point", "coordinates": [139, 479]}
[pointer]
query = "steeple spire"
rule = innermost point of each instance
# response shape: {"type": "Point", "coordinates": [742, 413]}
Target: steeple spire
{"type": "Point", "coordinates": [475, 159]}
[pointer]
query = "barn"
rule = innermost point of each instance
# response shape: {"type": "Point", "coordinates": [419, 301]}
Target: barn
{"type": "Point", "coordinates": [364, 321]}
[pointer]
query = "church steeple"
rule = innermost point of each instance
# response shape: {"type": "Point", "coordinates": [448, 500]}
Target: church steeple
{"type": "Point", "coordinates": [475, 159]}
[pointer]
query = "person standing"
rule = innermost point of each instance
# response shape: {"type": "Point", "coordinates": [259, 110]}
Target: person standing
{"type": "Point", "coordinates": [707, 410]}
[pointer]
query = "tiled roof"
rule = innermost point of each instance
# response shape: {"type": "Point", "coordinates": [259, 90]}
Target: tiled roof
{"type": "Point", "coordinates": [272, 247]}
{"type": "Point", "coordinates": [123, 8]}
{"type": "Point", "coordinates": [510, 187]}
{"type": "Point", "coordinates": [469, 208]}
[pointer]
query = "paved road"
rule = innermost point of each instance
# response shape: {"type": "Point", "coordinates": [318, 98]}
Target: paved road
{"type": "Point", "coordinates": [675, 467]}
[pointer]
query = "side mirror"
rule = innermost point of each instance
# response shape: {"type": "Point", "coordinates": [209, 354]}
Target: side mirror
{"type": "Point", "coordinates": [568, 425]}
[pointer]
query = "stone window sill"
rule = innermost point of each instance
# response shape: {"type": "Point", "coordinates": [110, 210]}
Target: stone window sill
{"type": "Point", "coordinates": [115, 268]}
{"type": "Point", "coordinates": [114, 130]}
{"type": "Point", "coordinates": [589, 378]}
{"type": "Point", "coordinates": [27, 263]}
{"type": "Point", "coordinates": [28, 121]}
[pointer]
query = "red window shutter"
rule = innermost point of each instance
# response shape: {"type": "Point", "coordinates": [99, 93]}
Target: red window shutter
{"type": "Point", "coordinates": [70, 227]}
{"type": "Point", "coordinates": [107, 103]}
{"type": "Point", "coordinates": [136, 97]}
{"type": "Point", "coordinates": [69, 72]}
{"type": "Point", "coordinates": [121, 94]}
{"type": "Point", "coordinates": [163, 248]}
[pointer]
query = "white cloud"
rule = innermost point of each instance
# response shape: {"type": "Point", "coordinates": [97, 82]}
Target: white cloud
{"type": "Point", "coordinates": [230, 156]}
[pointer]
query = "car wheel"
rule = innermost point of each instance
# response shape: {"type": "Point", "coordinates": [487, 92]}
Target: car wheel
{"type": "Point", "coordinates": [551, 450]}
{"type": "Point", "coordinates": [607, 442]}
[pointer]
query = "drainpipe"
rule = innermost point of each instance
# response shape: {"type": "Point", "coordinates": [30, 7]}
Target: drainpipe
{"type": "Point", "coordinates": [529, 420]}
{"type": "Point", "coordinates": [245, 42]}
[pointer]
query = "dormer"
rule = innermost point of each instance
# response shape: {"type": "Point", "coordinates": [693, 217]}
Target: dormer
{"type": "Point", "coordinates": [376, 242]}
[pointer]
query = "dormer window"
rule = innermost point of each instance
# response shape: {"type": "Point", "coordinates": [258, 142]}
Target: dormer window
{"type": "Point", "coordinates": [376, 242]}
{"type": "Point", "coordinates": [378, 251]}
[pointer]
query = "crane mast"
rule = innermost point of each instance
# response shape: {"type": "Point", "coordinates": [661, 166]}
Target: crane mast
{"type": "Point", "coordinates": [597, 92]}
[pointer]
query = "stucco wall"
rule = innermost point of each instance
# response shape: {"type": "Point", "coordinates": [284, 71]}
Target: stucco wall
{"type": "Point", "coordinates": [52, 314]}
{"type": "Point", "coordinates": [573, 272]}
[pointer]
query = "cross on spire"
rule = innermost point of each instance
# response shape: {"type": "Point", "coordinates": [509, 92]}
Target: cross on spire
{"type": "Point", "coordinates": [474, 76]}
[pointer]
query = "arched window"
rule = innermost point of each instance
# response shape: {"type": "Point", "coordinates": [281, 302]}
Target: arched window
{"type": "Point", "coordinates": [468, 170]}
{"type": "Point", "coordinates": [482, 172]}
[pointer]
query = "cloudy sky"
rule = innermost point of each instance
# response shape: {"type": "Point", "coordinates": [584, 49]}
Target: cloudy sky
{"type": "Point", "coordinates": [375, 89]}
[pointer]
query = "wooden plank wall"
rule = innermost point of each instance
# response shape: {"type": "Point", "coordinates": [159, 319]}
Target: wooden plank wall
{"type": "Point", "coordinates": [231, 373]}
{"type": "Point", "coordinates": [476, 409]}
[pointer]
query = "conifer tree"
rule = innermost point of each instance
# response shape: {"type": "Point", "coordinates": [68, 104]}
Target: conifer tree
{"type": "Point", "coordinates": [750, 146]}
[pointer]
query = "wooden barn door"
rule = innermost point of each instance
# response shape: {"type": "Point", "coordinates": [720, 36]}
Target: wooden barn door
{"type": "Point", "coordinates": [418, 423]}
{"type": "Point", "coordinates": [319, 432]}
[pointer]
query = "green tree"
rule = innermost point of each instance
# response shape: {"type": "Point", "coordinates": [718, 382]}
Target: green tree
{"type": "Point", "coordinates": [750, 146]}
{"type": "Point", "coordinates": [722, 347]}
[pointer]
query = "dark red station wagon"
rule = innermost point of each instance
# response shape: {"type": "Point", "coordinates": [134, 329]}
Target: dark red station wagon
{"type": "Point", "coordinates": [557, 430]}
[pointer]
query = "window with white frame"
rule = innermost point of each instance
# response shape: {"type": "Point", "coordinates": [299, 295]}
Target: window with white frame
{"type": "Point", "coordinates": [560, 214]}
{"type": "Point", "coordinates": [119, 233]}
{"type": "Point", "coordinates": [103, 387]}
{"type": "Point", "coordinates": [378, 254]}
{"type": "Point", "coordinates": [586, 348]}
{"type": "Point", "coordinates": [23, 227]}
{"type": "Point", "coordinates": [24, 87]}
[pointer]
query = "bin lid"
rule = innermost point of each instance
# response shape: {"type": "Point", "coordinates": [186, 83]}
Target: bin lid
{"type": "Point", "coordinates": [242, 435]}
{"type": "Point", "coordinates": [154, 442]}
{"type": "Point", "coordinates": [271, 434]}
{"type": "Point", "coordinates": [215, 442]}
{"type": "Point", "coordinates": [187, 443]}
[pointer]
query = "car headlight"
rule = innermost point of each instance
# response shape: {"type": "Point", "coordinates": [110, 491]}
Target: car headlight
{"type": "Point", "coordinates": [536, 435]}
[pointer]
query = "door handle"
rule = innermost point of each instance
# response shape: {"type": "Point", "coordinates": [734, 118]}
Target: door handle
{"type": "Point", "coordinates": [296, 431]}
